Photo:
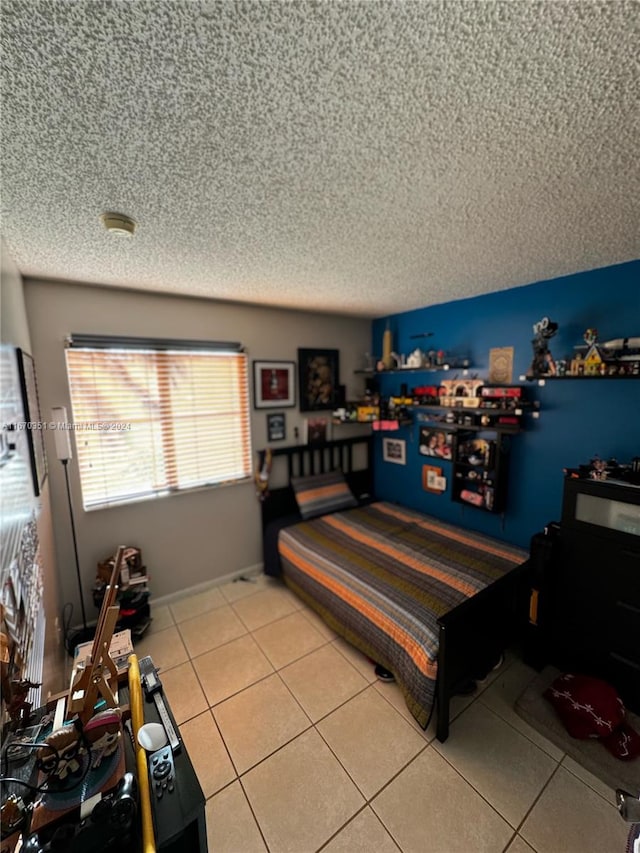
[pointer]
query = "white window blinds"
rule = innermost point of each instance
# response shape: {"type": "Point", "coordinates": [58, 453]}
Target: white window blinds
{"type": "Point", "coordinates": [149, 422]}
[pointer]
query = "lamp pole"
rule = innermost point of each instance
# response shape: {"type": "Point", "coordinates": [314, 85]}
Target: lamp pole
{"type": "Point", "coordinates": [65, 463]}
{"type": "Point", "coordinates": [64, 454]}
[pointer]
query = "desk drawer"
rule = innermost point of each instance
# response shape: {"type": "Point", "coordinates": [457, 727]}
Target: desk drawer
{"type": "Point", "coordinates": [593, 567]}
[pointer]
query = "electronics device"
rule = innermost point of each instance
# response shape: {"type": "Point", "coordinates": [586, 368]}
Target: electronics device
{"type": "Point", "coordinates": [162, 772]}
{"type": "Point", "coordinates": [153, 692]}
{"type": "Point", "coordinates": [106, 828]}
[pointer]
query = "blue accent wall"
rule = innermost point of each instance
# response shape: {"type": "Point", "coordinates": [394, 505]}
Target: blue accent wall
{"type": "Point", "coordinates": [578, 418]}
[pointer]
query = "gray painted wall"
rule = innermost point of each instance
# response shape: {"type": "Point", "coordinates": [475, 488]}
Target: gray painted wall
{"type": "Point", "coordinates": [198, 536]}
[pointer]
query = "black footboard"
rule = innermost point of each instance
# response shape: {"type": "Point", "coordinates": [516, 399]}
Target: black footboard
{"type": "Point", "coordinates": [474, 634]}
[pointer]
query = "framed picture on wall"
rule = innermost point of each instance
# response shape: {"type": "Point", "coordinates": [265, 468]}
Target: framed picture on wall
{"type": "Point", "coordinates": [436, 442]}
{"type": "Point", "coordinates": [394, 450]}
{"type": "Point", "coordinates": [274, 384]}
{"type": "Point", "coordinates": [501, 365]}
{"type": "Point", "coordinates": [276, 426]}
{"type": "Point", "coordinates": [319, 379]}
{"type": "Point", "coordinates": [315, 430]}
{"type": "Point", "coordinates": [32, 418]}
{"type": "Point", "coordinates": [432, 479]}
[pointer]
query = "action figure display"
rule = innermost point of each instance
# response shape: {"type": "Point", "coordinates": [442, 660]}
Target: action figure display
{"type": "Point", "coordinates": [543, 363]}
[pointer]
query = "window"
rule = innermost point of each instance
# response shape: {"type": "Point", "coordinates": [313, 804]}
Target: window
{"type": "Point", "coordinates": [151, 418]}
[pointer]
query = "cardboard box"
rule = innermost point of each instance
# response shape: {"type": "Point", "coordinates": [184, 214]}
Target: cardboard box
{"type": "Point", "coordinates": [119, 650]}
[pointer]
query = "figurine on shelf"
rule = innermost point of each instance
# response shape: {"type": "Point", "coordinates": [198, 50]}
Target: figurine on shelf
{"type": "Point", "coordinates": [598, 469]}
{"type": "Point", "coordinates": [416, 358]}
{"type": "Point", "coordinates": [610, 469]}
{"type": "Point", "coordinates": [262, 472]}
{"type": "Point", "coordinates": [387, 347]}
{"type": "Point", "coordinates": [543, 363]}
{"type": "Point", "coordinates": [617, 357]}
{"type": "Point", "coordinates": [18, 708]}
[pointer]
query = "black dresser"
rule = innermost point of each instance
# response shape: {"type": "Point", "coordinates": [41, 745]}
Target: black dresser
{"type": "Point", "coordinates": [594, 600]}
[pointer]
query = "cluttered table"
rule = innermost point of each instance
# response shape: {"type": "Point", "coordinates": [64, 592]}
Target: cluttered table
{"type": "Point", "coordinates": [82, 788]}
{"type": "Point", "coordinates": [101, 767]}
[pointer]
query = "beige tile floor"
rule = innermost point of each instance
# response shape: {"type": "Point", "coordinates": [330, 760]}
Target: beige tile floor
{"type": "Point", "coordinates": [299, 748]}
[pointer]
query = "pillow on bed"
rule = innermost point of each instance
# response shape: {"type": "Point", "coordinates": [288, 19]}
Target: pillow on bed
{"type": "Point", "coordinates": [321, 493]}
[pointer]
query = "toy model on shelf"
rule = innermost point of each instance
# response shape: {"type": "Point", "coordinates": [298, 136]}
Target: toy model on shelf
{"type": "Point", "coordinates": [476, 420]}
{"type": "Point", "coordinates": [543, 363]}
{"type": "Point", "coordinates": [613, 359]}
{"type": "Point", "coordinates": [609, 469]}
{"type": "Point", "coordinates": [618, 357]}
{"type": "Point", "coordinates": [418, 362]}
{"type": "Point", "coordinates": [472, 404]}
{"type": "Point", "coordinates": [458, 402]}
{"type": "Point", "coordinates": [479, 471]}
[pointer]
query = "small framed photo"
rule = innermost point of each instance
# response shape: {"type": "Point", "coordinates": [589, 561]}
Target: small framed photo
{"type": "Point", "coordinates": [394, 450]}
{"type": "Point", "coordinates": [274, 385]}
{"type": "Point", "coordinates": [276, 426]}
{"type": "Point", "coordinates": [315, 430]}
{"type": "Point", "coordinates": [432, 479]}
{"type": "Point", "coordinates": [319, 379]}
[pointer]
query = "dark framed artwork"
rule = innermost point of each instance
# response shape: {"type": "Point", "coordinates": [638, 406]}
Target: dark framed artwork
{"type": "Point", "coordinates": [318, 379]}
{"type": "Point", "coordinates": [276, 426]}
{"type": "Point", "coordinates": [274, 384]}
{"type": "Point", "coordinates": [33, 425]}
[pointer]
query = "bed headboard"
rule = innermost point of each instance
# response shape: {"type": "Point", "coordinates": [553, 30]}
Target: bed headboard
{"type": "Point", "coordinates": [350, 455]}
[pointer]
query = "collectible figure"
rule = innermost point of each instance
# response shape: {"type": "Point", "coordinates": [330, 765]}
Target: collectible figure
{"type": "Point", "coordinates": [103, 734]}
{"type": "Point", "coordinates": [60, 754]}
{"type": "Point", "coordinates": [262, 472]}
{"type": "Point", "coordinates": [543, 363]}
{"type": "Point", "coordinates": [17, 706]}
{"type": "Point", "coordinates": [617, 357]}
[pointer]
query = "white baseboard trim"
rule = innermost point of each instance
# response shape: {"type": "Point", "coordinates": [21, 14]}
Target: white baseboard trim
{"type": "Point", "coordinates": [172, 597]}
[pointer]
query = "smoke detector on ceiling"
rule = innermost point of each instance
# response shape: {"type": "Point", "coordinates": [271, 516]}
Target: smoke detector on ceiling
{"type": "Point", "coordinates": [118, 223]}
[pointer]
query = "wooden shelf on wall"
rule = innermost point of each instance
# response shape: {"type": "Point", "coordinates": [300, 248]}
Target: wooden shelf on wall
{"type": "Point", "coordinates": [542, 379]}
{"type": "Point", "coordinates": [455, 364]}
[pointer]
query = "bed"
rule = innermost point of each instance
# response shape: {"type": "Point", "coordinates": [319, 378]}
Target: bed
{"type": "Point", "coordinates": [433, 603]}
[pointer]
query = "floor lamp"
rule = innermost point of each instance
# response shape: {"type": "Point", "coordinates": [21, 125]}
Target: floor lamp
{"type": "Point", "coordinates": [63, 452]}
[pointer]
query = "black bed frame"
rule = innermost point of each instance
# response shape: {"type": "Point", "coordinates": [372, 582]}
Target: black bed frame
{"type": "Point", "coordinates": [474, 634]}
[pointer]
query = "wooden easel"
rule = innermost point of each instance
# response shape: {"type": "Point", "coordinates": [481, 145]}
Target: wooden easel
{"type": "Point", "coordinates": [99, 675]}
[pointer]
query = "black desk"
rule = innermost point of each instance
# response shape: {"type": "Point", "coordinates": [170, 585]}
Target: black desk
{"type": "Point", "coordinates": [179, 818]}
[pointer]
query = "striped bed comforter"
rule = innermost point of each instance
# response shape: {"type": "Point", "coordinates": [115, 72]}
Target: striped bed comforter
{"type": "Point", "coordinates": [381, 576]}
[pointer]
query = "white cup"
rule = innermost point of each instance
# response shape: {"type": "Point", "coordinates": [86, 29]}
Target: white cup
{"type": "Point", "coordinates": [152, 736]}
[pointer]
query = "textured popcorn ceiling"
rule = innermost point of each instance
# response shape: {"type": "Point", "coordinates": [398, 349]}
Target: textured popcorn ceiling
{"type": "Point", "coordinates": [359, 157]}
